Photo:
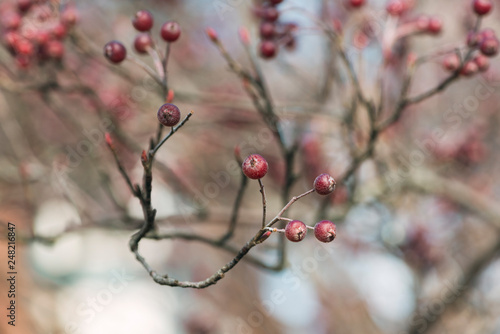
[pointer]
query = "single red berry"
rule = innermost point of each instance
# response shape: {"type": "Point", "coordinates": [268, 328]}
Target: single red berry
{"type": "Point", "coordinates": [489, 46]}
{"type": "Point", "coordinates": [115, 52]}
{"type": "Point", "coordinates": [267, 30]}
{"type": "Point", "coordinates": [170, 31]}
{"type": "Point", "coordinates": [69, 16]}
{"type": "Point", "coordinates": [24, 47]}
{"type": "Point", "coordinates": [10, 20]}
{"type": "Point", "coordinates": [482, 7]}
{"type": "Point", "coordinates": [395, 7]}
{"type": "Point", "coordinates": [486, 33]}
{"type": "Point", "coordinates": [270, 14]}
{"type": "Point", "coordinates": [356, 3]}
{"type": "Point", "coordinates": [482, 62]}
{"type": "Point", "coordinates": [422, 23]}
{"type": "Point", "coordinates": [295, 231]}
{"type": "Point", "coordinates": [59, 31]}
{"type": "Point", "coordinates": [254, 166]}
{"type": "Point", "coordinates": [325, 231]}
{"type": "Point", "coordinates": [451, 62]}
{"type": "Point", "coordinates": [470, 68]}
{"type": "Point", "coordinates": [142, 42]}
{"type": "Point", "coordinates": [169, 114]}
{"type": "Point", "coordinates": [435, 25]}
{"type": "Point", "coordinates": [143, 20]}
{"type": "Point", "coordinates": [275, 2]}
{"type": "Point", "coordinates": [54, 49]}
{"type": "Point", "coordinates": [268, 49]}
{"type": "Point", "coordinates": [324, 184]}
{"type": "Point", "coordinates": [24, 5]}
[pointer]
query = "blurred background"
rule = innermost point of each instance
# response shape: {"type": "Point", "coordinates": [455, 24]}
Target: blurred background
{"type": "Point", "coordinates": [417, 221]}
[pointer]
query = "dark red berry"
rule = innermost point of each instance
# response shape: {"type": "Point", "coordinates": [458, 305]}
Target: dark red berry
{"type": "Point", "coordinates": [268, 49]}
{"type": "Point", "coordinates": [489, 46]}
{"type": "Point", "coordinates": [143, 20]}
{"type": "Point", "coordinates": [295, 231]}
{"type": "Point", "coordinates": [267, 30]}
{"type": "Point", "coordinates": [170, 31]}
{"type": "Point", "coordinates": [325, 231]}
{"type": "Point", "coordinates": [275, 2]}
{"type": "Point", "coordinates": [142, 42]}
{"type": "Point", "coordinates": [482, 7]}
{"type": "Point", "coordinates": [482, 62]}
{"type": "Point", "coordinates": [395, 7]}
{"type": "Point", "coordinates": [254, 166]}
{"type": "Point", "coordinates": [54, 49]}
{"type": "Point", "coordinates": [169, 114]}
{"type": "Point", "coordinates": [324, 184]}
{"type": "Point", "coordinates": [24, 5]}
{"type": "Point", "coordinates": [470, 68]}
{"type": "Point", "coordinates": [270, 14]}
{"type": "Point", "coordinates": [115, 52]}
{"type": "Point", "coordinates": [435, 25]}
{"type": "Point", "coordinates": [356, 3]}
{"type": "Point", "coordinates": [451, 62]}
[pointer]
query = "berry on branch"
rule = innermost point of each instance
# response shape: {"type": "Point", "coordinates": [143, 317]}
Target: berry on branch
{"type": "Point", "coordinates": [169, 114]}
{"type": "Point", "coordinates": [295, 231]}
{"type": "Point", "coordinates": [115, 52]}
{"type": "Point", "coordinates": [325, 231]}
{"type": "Point", "coordinates": [254, 166]}
{"type": "Point", "coordinates": [324, 184]}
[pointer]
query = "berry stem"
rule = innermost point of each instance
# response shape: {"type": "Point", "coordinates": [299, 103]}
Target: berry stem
{"type": "Point", "coordinates": [123, 172]}
{"type": "Point", "coordinates": [153, 151]}
{"type": "Point", "coordinates": [293, 200]}
{"type": "Point", "coordinates": [145, 67]}
{"type": "Point", "coordinates": [263, 192]}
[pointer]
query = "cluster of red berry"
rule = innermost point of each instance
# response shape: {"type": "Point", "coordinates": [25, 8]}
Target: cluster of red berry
{"type": "Point", "coordinates": [485, 41]}
{"type": "Point", "coordinates": [255, 167]}
{"type": "Point", "coordinates": [142, 21]}
{"type": "Point", "coordinates": [273, 32]}
{"type": "Point", "coordinates": [33, 31]}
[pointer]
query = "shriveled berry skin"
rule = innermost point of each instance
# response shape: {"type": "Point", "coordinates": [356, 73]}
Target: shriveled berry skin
{"type": "Point", "coordinates": [143, 20]}
{"type": "Point", "coordinates": [325, 231]}
{"type": "Point", "coordinates": [169, 114]}
{"type": "Point", "coordinates": [295, 231]}
{"type": "Point", "coordinates": [170, 31]}
{"type": "Point", "coordinates": [482, 7]}
{"type": "Point", "coordinates": [324, 184]}
{"type": "Point", "coordinates": [115, 52]}
{"type": "Point", "coordinates": [254, 166]}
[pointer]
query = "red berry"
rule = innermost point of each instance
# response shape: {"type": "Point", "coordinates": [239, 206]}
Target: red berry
{"type": "Point", "coordinates": [295, 231]}
{"type": "Point", "coordinates": [69, 16]}
{"type": "Point", "coordinates": [486, 33]}
{"type": "Point", "coordinates": [142, 42]}
{"type": "Point", "coordinates": [267, 30]}
{"type": "Point", "coordinates": [482, 62]}
{"type": "Point", "coordinates": [115, 52]}
{"type": "Point", "coordinates": [423, 23]}
{"type": "Point", "coordinates": [435, 25]}
{"type": "Point", "coordinates": [143, 20]}
{"type": "Point", "coordinates": [10, 20]}
{"type": "Point", "coordinates": [324, 184]}
{"type": "Point", "coordinates": [489, 46]}
{"type": "Point", "coordinates": [395, 7]}
{"type": "Point", "coordinates": [170, 31]}
{"type": "Point", "coordinates": [451, 62]}
{"type": "Point", "coordinates": [59, 31]}
{"type": "Point", "coordinates": [24, 47]}
{"type": "Point", "coordinates": [356, 3]}
{"type": "Point", "coordinates": [325, 231]}
{"type": "Point", "coordinates": [169, 114]}
{"type": "Point", "coordinates": [275, 2]}
{"type": "Point", "coordinates": [254, 166]}
{"type": "Point", "coordinates": [470, 68]}
{"type": "Point", "coordinates": [24, 5]}
{"type": "Point", "coordinates": [268, 49]}
{"type": "Point", "coordinates": [270, 14]}
{"type": "Point", "coordinates": [482, 7]}
{"type": "Point", "coordinates": [54, 49]}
